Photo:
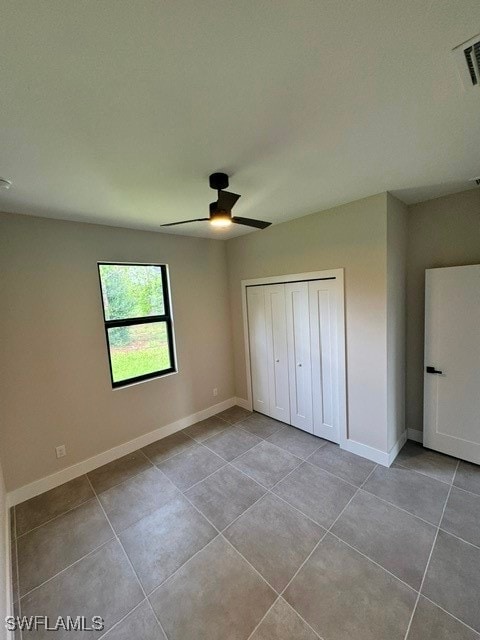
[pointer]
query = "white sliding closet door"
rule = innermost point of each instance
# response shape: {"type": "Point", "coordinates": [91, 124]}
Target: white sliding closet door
{"type": "Point", "coordinates": [257, 332]}
{"type": "Point", "coordinates": [277, 354]}
{"type": "Point", "coordinates": [324, 353]}
{"type": "Point", "coordinates": [299, 359]}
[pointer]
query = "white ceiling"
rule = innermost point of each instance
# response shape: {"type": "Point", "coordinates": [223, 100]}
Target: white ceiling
{"type": "Point", "coordinates": [117, 111]}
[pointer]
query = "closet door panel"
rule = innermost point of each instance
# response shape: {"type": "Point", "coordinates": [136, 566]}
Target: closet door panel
{"type": "Point", "coordinates": [299, 361]}
{"type": "Point", "coordinates": [324, 345]}
{"type": "Point", "coordinates": [257, 331]}
{"type": "Point", "coordinates": [277, 352]}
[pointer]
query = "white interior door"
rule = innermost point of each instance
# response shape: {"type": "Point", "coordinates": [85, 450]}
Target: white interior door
{"type": "Point", "coordinates": [323, 298]}
{"type": "Point", "coordinates": [299, 362]}
{"type": "Point", "coordinates": [277, 354]}
{"type": "Point", "coordinates": [257, 333]}
{"type": "Point", "coordinates": [452, 361]}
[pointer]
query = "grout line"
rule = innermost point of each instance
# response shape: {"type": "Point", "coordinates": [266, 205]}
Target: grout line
{"type": "Point", "coordinates": [421, 473]}
{"type": "Point", "coordinates": [128, 561]}
{"type": "Point", "coordinates": [174, 455]}
{"type": "Point", "coordinates": [429, 559]}
{"type": "Point", "coordinates": [455, 472]}
{"type": "Point", "coordinates": [122, 619]}
{"type": "Point", "coordinates": [326, 532]}
{"type": "Point", "coordinates": [372, 561]}
{"type": "Point", "coordinates": [301, 618]}
{"type": "Point", "coordinates": [118, 484]}
{"type": "Point", "coordinates": [472, 493]}
{"type": "Point", "coordinates": [247, 561]}
{"type": "Point", "coordinates": [220, 534]}
{"type": "Point", "coordinates": [277, 593]}
{"type": "Point", "coordinates": [67, 567]}
{"type": "Point", "coordinates": [413, 515]}
{"type": "Point", "coordinates": [60, 515]}
{"type": "Point", "coordinates": [195, 484]}
{"type": "Point", "coordinates": [240, 454]}
{"type": "Point", "coordinates": [216, 537]}
{"type": "Point", "coordinates": [450, 614]}
{"type": "Point", "coordinates": [258, 482]}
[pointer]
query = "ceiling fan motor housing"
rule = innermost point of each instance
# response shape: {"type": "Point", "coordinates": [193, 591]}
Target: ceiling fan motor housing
{"type": "Point", "coordinates": [218, 181]}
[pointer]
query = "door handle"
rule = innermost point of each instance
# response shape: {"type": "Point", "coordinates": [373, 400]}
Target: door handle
{"type": "Point", "coordinates": [433, 370]}
{"type": "Point", "coordinates": [299, 364]}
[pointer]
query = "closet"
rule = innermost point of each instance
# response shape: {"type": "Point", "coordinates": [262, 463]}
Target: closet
{"type": "Point", "coordinates": [296, 355]}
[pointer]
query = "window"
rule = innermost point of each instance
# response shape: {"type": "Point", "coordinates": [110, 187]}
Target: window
{"type": "Point", "coordinates": [138, 321]}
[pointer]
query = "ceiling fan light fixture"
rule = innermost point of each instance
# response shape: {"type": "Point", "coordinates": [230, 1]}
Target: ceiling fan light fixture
{"type": "Point", "coordinates": [221, 220]}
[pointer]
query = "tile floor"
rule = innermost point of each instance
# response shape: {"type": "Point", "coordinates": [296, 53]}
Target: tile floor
{"type": "Point", "coordinates": [241, 527]}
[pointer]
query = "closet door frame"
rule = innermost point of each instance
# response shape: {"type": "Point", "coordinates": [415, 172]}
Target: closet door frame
{"type": "Point", "coordinates": [331, 274]}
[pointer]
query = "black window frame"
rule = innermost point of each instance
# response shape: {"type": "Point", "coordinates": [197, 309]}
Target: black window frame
{"type": "Point", "coordinates": [166, 317]}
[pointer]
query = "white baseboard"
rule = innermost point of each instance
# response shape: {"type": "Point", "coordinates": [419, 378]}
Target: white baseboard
{"type": "Point", "coordinates": [243, 403]}
{"type": "Point", "coordinates": [375, 455]}
{"type": "Point", "coordinates": [397, 447]}
{"type": "Point", "coordinates": [416, 435]}
{"type": "Point", "coordinates": [69, 473]}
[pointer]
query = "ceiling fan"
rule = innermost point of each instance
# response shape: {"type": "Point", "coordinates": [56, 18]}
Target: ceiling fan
{"type": "Point", "coordinates": [221, 210]}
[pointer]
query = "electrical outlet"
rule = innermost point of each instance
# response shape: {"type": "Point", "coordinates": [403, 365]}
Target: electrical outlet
{"type": "Point", "coordinates": [215, 392]}
{"type": "Point", "coordinates": [61, 451]}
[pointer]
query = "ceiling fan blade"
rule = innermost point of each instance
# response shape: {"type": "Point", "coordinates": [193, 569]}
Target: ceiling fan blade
{"type": "Point", "coordinates": [248, 222]}
{"type": "Point", "coordinates": [173, 224]}
{"type": "Point", "coordinates": [226, 200]}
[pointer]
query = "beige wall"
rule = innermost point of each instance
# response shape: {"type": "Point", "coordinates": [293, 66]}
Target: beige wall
{"type": "Point", "coordinates": [397, 214]}
{"type": "Point", "coordinates": [352, 236]}
{"type": "Point", "coordinates": [444, 232]}
{"type": "Point", "coordinates": [55, 377]}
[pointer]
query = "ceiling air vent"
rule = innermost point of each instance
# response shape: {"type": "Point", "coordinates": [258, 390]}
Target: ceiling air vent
{"type": "Point", "coordinates": [472, 55]}
{"type": "Point", "coordinates": [468, 62]}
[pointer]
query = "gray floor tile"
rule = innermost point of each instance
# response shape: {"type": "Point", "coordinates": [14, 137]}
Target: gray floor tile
{"type": "Point", "coordinates": [453, 578]}
{"type": "Point", "coordinates": [275, 539]}
{"type": "Point", "coordinates": [16, 613]}
{"type": "Point", "coordinates": [260, 425]}
{"type": "Point", "coordinates": [141, 624]}
{"type": "Point", "coordinates": [462, 515]}
{"type": "Point", "coordinates": [51, 548]}
{"type": "Point", "coordinates": [283, 623]}
{"type": "Point", "coordinates": [342, 463]}
{"type": "Point", "coordinates": [266, 463]}
{"type": "Point", "coordinates": [297, 442]}
{"type": "Point", "coordinates": [168, 447]}
{"type": "Point", "coordinates": [215, 596]}
{"type": "Point", "coordinates": [396, 540]}
{"type": "Point", "coordinates": [234, 414]}
{"type": "Point", "coordinates": [206, 428]}
{"type": "Point", "coordinates": [342, 595]}
{"type": "Point", "coordinates": [431, 623]}
{"type": "Point", "coordinates": [431, 463]}
{"type": "Point", "coordinates": [102, 584]}
{"type": "Point", "coordinates": [318, 494]}
{"type": "Point", "coordinates": [420, 495]}
{"type": "Point", "coordinates": [48, 505]}
{"type": "Point", "coordinates": [468, 477]}
{"type": "Point", "coordinates": [161, 542]}
{"type": "Point", "coordinates": [232, 443]}
{"type": "Point", "coordinates": [191, 466]}
{"type": "Point", "coordinates": [225, 495]}
{"type": "Point", "coordinates": [13, 532]}
{"type": "Point", "coordinates": [135, 498]}
{"type": "Point", "coordinates": [119, 470]}
{"type": "Point", "coordinates": [13, 555]}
